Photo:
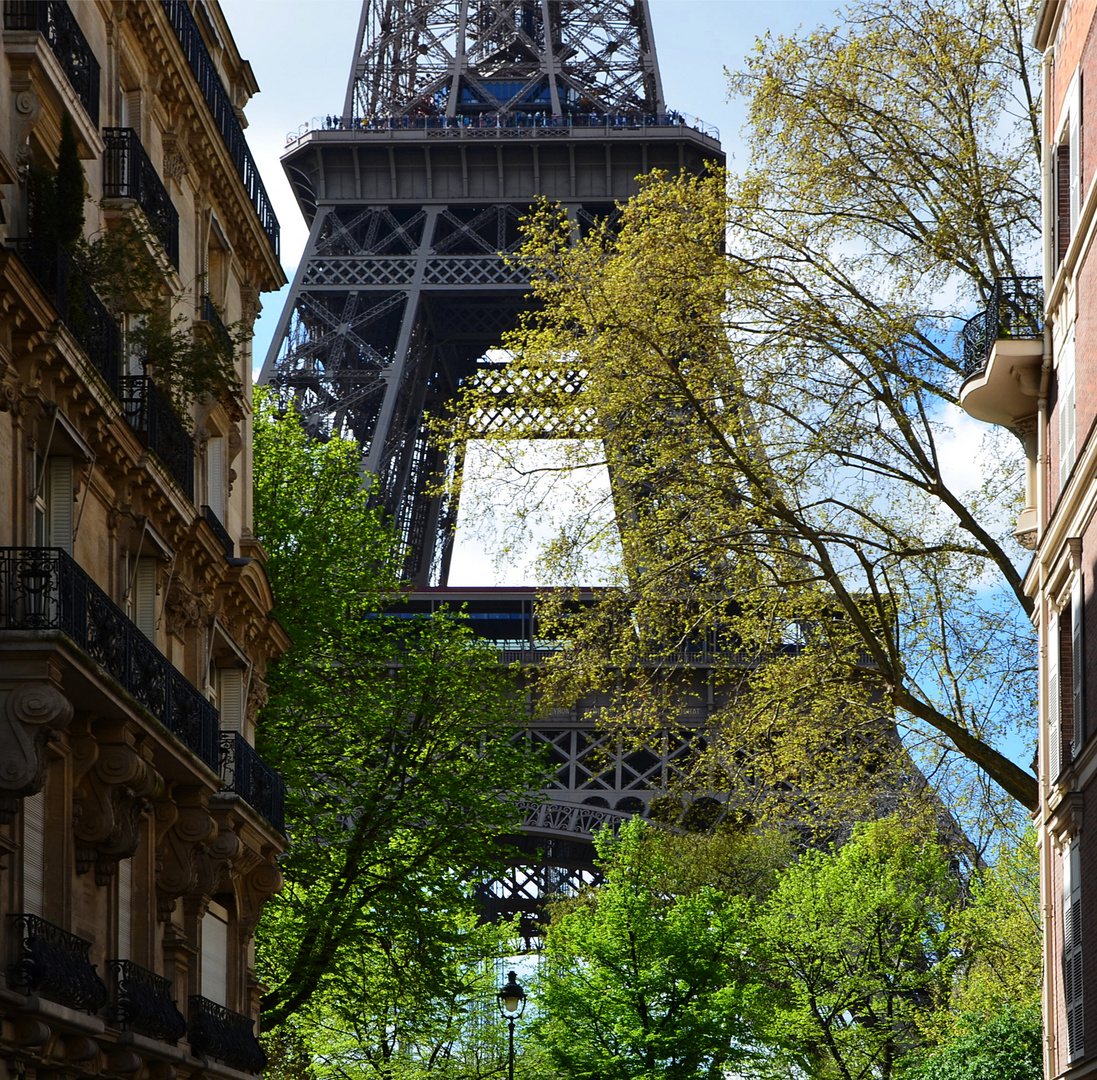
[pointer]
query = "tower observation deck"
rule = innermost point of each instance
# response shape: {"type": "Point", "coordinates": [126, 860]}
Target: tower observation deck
{"type": "Point", "coordinates": [458, 116]}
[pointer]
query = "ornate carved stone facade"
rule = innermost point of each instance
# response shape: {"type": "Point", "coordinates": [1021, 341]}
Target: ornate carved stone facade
{"type": "Point", "coordinates": [135, 623]}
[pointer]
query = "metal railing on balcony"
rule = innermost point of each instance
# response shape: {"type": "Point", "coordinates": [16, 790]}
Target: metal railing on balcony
{"type": "Point", "coordinates": [54, 20]}
{"type": "Point", "coordinates": [212, 316]}
{"type": "Point", "coordinates": [85, 315]}
{"type": "Point", "coordinates": [209, 82]}
{"type": "Point", "coordinates": [129, 174]}
{"type": "Point", "coordinates": [143, 1003]}
{"type": "Point", "coordinates": [54, 963]}
{"type": "Point", "coordinates": [219, 531]}
{"type": "Point", "coordinates": [246, 773]}
{"type": "Point", "coordinates": [44, 589]}
{"type": "Point", "coordinates": [1015, 310]}
{"type": "Point", "coordinates": [228, 1036]}
{"type": "Point", "coordinates": [151, 415]}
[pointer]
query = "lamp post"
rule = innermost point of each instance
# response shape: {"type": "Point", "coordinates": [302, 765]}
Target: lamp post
{"type": "Point", "coordinates": [512, 1003]}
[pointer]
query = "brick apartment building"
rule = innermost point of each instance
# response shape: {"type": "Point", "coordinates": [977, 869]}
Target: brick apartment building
{"type": "Point", "coordinates": [138, 827]}
{"type": "Point", "coordinates": [1031, 361]}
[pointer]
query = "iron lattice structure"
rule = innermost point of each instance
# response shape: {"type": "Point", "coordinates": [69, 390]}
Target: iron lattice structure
{"type": "Point", "coordinates": [458, 117]}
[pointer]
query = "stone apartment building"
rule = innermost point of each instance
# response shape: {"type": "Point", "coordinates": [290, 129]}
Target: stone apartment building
{"type": "Point", "coordinates": [139, 829]}
{"type": "Point", "coordinates": [1031, 362]}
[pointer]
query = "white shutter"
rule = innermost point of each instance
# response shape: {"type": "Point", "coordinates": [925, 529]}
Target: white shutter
{"type": "Point", "coordinates": [1054, 703]}
{"type": "Point", "coordinates": [34, 854]}
{"type": "Point", "coordinates": [59, 482]}
{"type": "Point", "coordinates": [215, 476]}
{"type": "Point", "coordinates": [1073, 983]}
{"type": "Point", "coordinates": [125, 908]}
{"type": "Point", "coordinates": [144, 597]}
{"type": "Point", "coordinates": [215, 947]}
{"type": "Point", "coordinates": [1075, 165]}
{"type": "Point", "coordinates": [1077, 667]}
{"type": "Point", "coordinates": [230, 698]}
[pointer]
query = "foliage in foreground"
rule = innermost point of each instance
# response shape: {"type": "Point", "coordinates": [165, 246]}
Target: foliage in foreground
{"type": "Point", "coordinates": [396, 740]}
{"type": "Point", "coordinates": [869, 961]}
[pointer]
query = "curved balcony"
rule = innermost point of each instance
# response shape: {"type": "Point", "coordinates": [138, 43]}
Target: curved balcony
{"type": "Point", "coordinates": [143, 1003]}
{"type": "Point", "coordinates": [228, 1036]}
{"type": "Point", "coordinates": [54, 963]}
{"type": "Point", "coordinates": [129, 174]}
{"type": "Point", "coordinates": [1002, 352]}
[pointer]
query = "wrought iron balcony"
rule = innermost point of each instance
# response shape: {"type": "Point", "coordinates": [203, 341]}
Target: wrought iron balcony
{"type": "Point", "coordinates": [224, 116]}
{"type": "Point", "coordinates": [212, 316]}
{"type": "Point", "coordinates": [228, 1036]}
{"type": "Point", "coordinates": [44, 589]}
{"type": "Point", "coordinates": [246, 773]}
{"type": "Point", "coordinates": [1015, 311]}
{"type": "Point", "coordinates": [54, 20]}
{"type": "Point", "coordinates": [219, 531]}
{"type": "Point", "coordinates": [143, 1003]}
{"type": "Point", "coordinates": [151, 415]}
{"type": "Point", "coordinates": [79, 308]}
{"type": "Point", "coordinates": [129, 174]}
{"type": "Point", "coordinates": [54, 963]}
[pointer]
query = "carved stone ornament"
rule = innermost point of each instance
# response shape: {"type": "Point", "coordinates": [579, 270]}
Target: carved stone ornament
{"type": "Point", "coordinates": [114, 789]}
{"type": "Point", "coordinates": [254, 891]}
{"type": "Point", "coordinates": [183, 828]}
{"type": "Point", "coordinates": [184, 608]}
{"type": "Point", "coordinates": [176, 165]}
{"type": "Point", "coordinates": [250, 306]}
{"type": "Point", "coordinates": [32, 714]}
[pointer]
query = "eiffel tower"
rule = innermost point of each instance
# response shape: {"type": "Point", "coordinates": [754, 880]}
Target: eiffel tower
{"type": "Point", "coordinates": [459, 115]}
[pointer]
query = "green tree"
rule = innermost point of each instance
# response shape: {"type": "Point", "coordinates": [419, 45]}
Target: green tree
{"type": "Point", "coordinates": [769, 372]}
{"type": "Point", "coordinates": [640, 982]}
{"type": "Point", "coordinates": [397, 741]}
{"type": "Point", "coordinates": [858, 946]}
{"type": "Point", "coordinates": [70, 185]}
{"type": "Point", "coordinates": [1008, 1047]}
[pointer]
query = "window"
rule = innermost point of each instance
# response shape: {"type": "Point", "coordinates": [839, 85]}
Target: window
{"type": "Point", "coordinates": [1073, 988]}
{"type": "Point", "coordinates": [34, 854]}
{"type": "Point", "coordinates": [1065, 407]}
{"type": "Point", "coordinates": [215, 476]}
{"type": "Point", "coordinates": [142, 596]}
{"type": "Point", "coordinates": [230, 698]}
{"type": "Point", "coordinates": [53, 502]}
{"type": "Point", "coordinates": [1067, 166]}
{"type": "Point", "coordinates": [124, 877]}
{"type": "Point", "coordinates": [215, 947]}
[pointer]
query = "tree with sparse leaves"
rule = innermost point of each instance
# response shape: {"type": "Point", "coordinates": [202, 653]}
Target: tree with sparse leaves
{"type": "Point", "coordinates": [769, 371]}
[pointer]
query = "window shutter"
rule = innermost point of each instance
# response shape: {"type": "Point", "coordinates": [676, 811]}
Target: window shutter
{"type": "Point", "coordinates": [215, 947]}
{"type": "Point", "coordinates": [1054, 703]}
{"type": "Point", "coordinates": [1062, 201]}
{"type": "Point", "coordinates": [1073, 985]}
{"type": "Point", "coordinates": [125, 908]}
{"type": "Point", "coordinates": [215, 476]}
{"type": "Point", "coordinates": [1078, 721]}
{"type": "Point", "coordinates": [1065, 408]}
{"type": "Point", "coordinates": [1075, 170]}
{"type": "Point", "coordinates": [34, 854]}
{"type": "Point", "coordinates": [230, 699]}
{"type": "Point", "coordinates": [144, 597]}
{"type": "Point", "coordinates": [59, 481]}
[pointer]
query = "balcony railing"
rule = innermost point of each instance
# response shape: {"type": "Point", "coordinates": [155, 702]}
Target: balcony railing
{"type": "Point", "coordinates": [219, 531]}
{"type": "Point", "coordinates": [143, 1003]}
{"type": "Point", "coordinates": [228, 1036]}
{"type": "Point", "coordinates": [246, 773]}
{"type": "Point", "coordinates": [54, 20]}
{"type": "Point", "coordinates": [1015, 310]}
{"type": "Point", "coordinates": [54, 963]}
{"type": "Point", "coordinates": [150, 414]}
{"type": "Point", "coordinates": [205, 71]}
{"type": "Point", "coordinates": [85, 315]}
{"type": "Point", "coordinates": [44, 589]}
{"type": "Point", "coordinates": [212, 316]}
{"type": "Point", "coordinates": [129, 174]}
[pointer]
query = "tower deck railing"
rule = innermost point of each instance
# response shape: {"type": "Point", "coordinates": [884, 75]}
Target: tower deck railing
{"type": "Point", "coordinates": [532, 124]}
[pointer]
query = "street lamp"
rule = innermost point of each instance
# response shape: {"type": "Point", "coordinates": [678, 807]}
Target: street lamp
{"type": "Point", "coordinates": [512, 1003]}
